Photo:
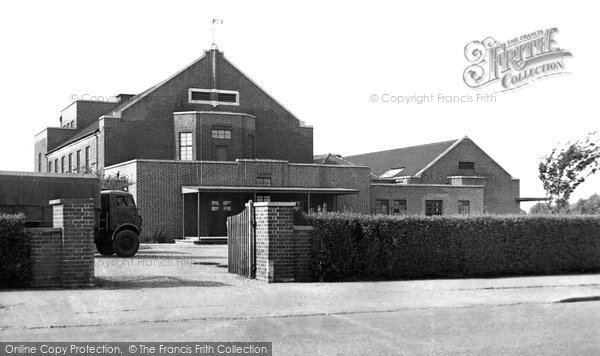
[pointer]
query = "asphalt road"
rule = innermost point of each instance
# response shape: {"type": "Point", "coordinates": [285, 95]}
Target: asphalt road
{"type": "Point", "coordinates": [156, 298]}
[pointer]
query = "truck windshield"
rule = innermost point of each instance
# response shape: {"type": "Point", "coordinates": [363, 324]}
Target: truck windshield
{"type": "Point", "coordinates": [125, 201]}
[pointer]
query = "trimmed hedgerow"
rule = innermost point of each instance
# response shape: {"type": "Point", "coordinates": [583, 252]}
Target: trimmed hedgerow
{"type": "Point", "coordinates": [347, 246]}
{"type": "Point", "coordinates": [15, 251]}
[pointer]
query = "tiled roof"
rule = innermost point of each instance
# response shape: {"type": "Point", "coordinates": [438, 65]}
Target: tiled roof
{"type": "Point", "coordinates": [413, 159]}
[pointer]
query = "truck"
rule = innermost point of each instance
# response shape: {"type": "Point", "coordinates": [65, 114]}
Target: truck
{"type": "Point", "coordinates": [118, 224]}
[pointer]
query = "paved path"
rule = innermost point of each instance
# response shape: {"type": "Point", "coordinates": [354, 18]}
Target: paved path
{"type": "Point", "coordinates": [173, 292]}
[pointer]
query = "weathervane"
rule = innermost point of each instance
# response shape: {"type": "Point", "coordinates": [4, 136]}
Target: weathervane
{"type": "Point", "coordinates": [214, 22]}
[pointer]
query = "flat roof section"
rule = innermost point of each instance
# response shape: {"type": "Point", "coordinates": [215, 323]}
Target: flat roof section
{"type": "Point", "coordinates": [186, 189]}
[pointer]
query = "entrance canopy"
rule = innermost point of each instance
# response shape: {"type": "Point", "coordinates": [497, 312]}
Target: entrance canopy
{"type": "Point", "coordinates": [191, 189]}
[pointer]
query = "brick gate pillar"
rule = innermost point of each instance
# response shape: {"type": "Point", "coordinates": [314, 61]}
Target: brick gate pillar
{"type": "Point", "coordinates": [281, 248]}
{"type": "Point", "coordinates": [76, 218]}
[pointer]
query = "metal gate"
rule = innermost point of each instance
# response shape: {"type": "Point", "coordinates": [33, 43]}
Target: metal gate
{"type": "Point", "coordinates": [241, 242]}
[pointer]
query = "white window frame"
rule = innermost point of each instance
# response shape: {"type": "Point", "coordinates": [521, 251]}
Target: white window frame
{"type": "Point", "coordinates": [214, 102]}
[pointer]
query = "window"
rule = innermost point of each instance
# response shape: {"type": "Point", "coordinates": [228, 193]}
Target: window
{"type": "Point", "coordinates": [263, 198]}
{"type": "Point", "coordinates": [226, 205]}
{"type": "Point", "coordinates": [263, 181]}
{"type": "Point", "coordinates": [200, 95]}
{"type": "Point", "coordinates": [39, 162]}
{"type": "Point", "coordinates": [399, 207]}
{"type": "Point", "coordinates": [392, 172]}
{"type": "Point", "coordinates": [433, 207]}
{"type": "Point", "coordinates": [214, 205]}
{"type": "Point", "coordinates": [213, 96]}
{"type": "Point", "coordinates": [221, 134]}
{"type": "Point", "coordinates": [185, 146]}
{"type": "Point", "coordinates": [70, 168]}
{"type": "Point", "coordinates": [56, 165]}
{"type": "Point", "coordinates": [72, 124]}
{"type": "Point", "coordinates": [125, 201]}
{"type": "Point", "coordinates": [87, 159]}
{"type": "Point", "coordinates": [464, 207]}
{"type": "Point", "coordinates": [49, 166]}
{"type": "Point", "coordinates": [227, 97]}
{"type": "Point", "coordinates": [466, 165]}
{"type": "Point", "coordinates": [62, 164]}
{"type": "Point", "coordinates": [78, 168]}
{"type": "Point", "coordinates": [382, 207]}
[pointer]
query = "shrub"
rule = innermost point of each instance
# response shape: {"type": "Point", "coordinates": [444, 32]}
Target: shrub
{"type": "Point", "coordinates": [346, 246]}
{"type": "Point", "coordinates": [15, 251]}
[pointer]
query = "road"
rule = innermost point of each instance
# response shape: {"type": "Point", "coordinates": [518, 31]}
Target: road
{"type": "Point", "coordinates": [174, 293]}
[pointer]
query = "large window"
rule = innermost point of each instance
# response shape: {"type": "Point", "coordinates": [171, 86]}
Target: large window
{"type": "Point", "coordinates": [382, 206]}
{"type": "Point", "coordinates": [221, 134]}
{"type": "Point", "coordinates": [49, 166]}
{"type": "Point", "coordinates": [39, 162]}
{"type": "Point", "coordinates": [56, 165]}
{"type": "Point", "coordinates": [464, 207]}
{"type": "Point", "coordinates": [70, 168]}
{"type": "Point", "coordinates": [399, 207]}
{"type": "Point", "coordinates": [185, 146]}
{"type": "Point", "coordinates": [62, 164]}
{"type": "Point", "coordinates": [433, 207]}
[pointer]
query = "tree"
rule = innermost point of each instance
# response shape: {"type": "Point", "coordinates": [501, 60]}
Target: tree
{"type": "Point", "coordinates": [113, 182]}
{"type": "Point", "coordinates": [540, 208]}
{"type": "Point", "coordinates": [566, 168]}
{"type": "Point", "coordinates": [590, 205]}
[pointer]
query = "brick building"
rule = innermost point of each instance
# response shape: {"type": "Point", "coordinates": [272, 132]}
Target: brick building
{"type": "Point", "coordinates": [200, 144]}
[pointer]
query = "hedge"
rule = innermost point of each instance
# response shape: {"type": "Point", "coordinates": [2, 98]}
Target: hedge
{"type": "Point", "coordinates": [15, 250]}
{"type": "Point", "coordinates": [347, 246]}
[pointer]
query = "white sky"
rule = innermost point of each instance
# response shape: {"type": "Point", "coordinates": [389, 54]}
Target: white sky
{"type": "Point", "coordinates": [322, 60]}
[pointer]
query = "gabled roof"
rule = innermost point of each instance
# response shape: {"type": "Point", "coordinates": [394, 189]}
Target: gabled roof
{"type": "Point", "coordinates": [413, 159]}
{"type": "Point", "coordinates": [117, 110]}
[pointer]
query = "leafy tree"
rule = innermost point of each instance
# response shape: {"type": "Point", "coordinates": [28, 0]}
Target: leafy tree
{"type": "Point", "coordinates": [566, 168]}
{"type": "Point", "coordinates": [540, 208]}
{"type": "Point", "coordinates": [590, 205]}
{"type": "Point", "coordinates": [113, 182]}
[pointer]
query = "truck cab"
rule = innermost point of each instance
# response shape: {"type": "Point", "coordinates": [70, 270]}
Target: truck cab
{"type": "Point", "coordinates": [119, 224]}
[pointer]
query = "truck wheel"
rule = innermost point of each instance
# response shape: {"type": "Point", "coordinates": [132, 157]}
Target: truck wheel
{"type": "Point", "coordinates": [105, 249]}
{"type": "Point", "coordinates": [126, 243]}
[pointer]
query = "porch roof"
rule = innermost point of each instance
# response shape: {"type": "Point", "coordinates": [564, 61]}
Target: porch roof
{"type": "Point", "coordinates": [190, 189]}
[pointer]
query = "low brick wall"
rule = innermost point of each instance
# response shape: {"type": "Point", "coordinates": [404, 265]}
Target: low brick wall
{"type": "Point", "coordinates": [63, 256]}
{"type": "Point", "coordinates": [46, 257]}
{"type": "Point", "coordinates": [281, 248]}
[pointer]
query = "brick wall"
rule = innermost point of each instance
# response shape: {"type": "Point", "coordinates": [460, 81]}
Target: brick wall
{"type": "Point", "coordinates": [46, 249]}
{"type": "Point", "coordinates": [63, 256]}
{"type": "Point", "coordinates": [416, 195]}
{"type": "Point", "coordinates": [282, 249]}
{"type": "Point", "coordinates": [279, 134]}
{"type": "Point", "coordinates": [157, 187]}
{"type": "Point", "coordinates": [91, 142]}
{"type": "Point", "coordinates": [501, 190]}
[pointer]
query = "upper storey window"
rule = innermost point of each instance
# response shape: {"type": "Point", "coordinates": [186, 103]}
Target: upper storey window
{"type": "Point", "coordinates": [221, 134]}
{"type": "Point", "coordinates": [214, 97]}
{"type": "Point", "coordinates": [185, 146]}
